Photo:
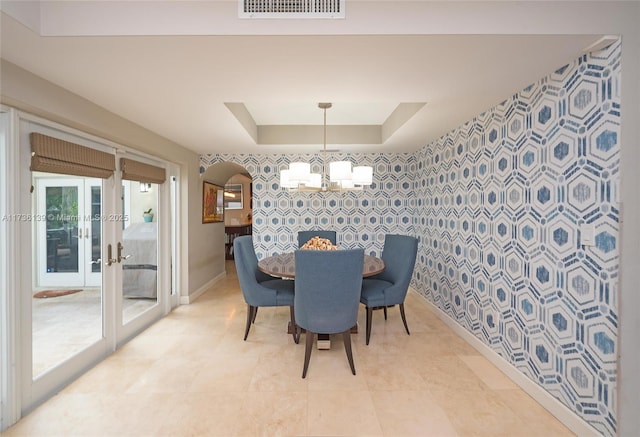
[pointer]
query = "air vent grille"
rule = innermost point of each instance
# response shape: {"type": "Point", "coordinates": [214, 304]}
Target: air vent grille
{"type": "Point", "coordinates": [291, 8]}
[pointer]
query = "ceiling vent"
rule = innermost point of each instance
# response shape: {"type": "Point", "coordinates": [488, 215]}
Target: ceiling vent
{"type": "Point", "coordinates": [291, 8]}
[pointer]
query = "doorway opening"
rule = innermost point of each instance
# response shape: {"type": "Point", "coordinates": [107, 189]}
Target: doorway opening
{"type": "Point", "coordinates": [238, 202]}
{"type": "Point", "coordinates": [238, 207]}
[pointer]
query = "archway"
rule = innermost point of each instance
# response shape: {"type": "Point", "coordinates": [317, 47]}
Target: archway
{"type": "Point", "coordinates": [238, 200]}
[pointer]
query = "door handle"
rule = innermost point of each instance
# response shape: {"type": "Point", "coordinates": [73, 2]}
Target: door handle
{"type": "Point", "coordinates": [97, 261]}
{"type": "Point", "coordinates": [120, 257]}
{"type": "Point", "coordinates": [109, 254]}
{"type": "Point", "coordinates": [79, 233]}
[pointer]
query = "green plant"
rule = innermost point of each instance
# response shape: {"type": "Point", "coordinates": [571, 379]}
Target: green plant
{"type": "Point", "coordinates": [148, 211]}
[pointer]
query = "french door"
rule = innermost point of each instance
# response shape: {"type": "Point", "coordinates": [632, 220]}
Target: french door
{"type": "Point", "coordinates": [94, 271]}
{"type": "Point", "coordinates": [69, 234]}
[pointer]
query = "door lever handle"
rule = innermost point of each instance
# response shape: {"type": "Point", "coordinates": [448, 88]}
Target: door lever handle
{"type": "Point", "coordinates": [109, 254]}
{"type": "Point", "coordinates": [97, 261]}
{"type": "Point", "coordinates": [120, 256]}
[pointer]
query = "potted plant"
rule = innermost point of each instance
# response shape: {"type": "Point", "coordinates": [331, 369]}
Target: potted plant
{"type": "Point", "coordinates": [147, 215]}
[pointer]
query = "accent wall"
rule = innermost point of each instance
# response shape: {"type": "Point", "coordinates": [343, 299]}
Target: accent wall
{"type": "Point", "coordinates": [518, 211]}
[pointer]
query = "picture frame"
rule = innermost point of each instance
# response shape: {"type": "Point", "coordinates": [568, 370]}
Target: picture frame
{"type": "Point", "coordinates": [233, 196]}
{"type": "Point", "coordinates": [212, 203]}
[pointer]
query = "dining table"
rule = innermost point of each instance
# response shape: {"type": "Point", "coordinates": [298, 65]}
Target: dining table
{"type": "Point", "coordinates": [283, 265]}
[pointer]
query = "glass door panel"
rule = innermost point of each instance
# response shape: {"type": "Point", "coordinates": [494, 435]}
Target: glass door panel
{"type": "Point", "coordinates": [66, 312]}
{"type": "Point", "coordinates": [139, 250]}
{"type": "Point", "coordinates": [57, 209]}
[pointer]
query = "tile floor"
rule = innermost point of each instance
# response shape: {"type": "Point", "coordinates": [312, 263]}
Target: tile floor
{"type": "Point", "coordinates": [191, 374]}
{"type": "Point", "coordinates": [65, 325]}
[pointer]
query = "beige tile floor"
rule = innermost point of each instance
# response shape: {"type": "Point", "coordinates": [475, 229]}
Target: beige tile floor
{"type": "Point", "coordinates": [191, 374]}
{"type": "Point", "coordinates": [65, 325]}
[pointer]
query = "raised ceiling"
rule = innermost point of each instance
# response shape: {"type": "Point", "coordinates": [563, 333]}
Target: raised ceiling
{"type": "Point", "coordinates": [196, 74]}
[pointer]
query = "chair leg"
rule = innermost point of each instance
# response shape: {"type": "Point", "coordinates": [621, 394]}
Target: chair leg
{"type": "Point", "coordinates": [250, 316]}
{"type": "Point", "coordinates": [346, 336]}
{"type": "Point", "coordinates": [294, 328]}
{"type": "Point", "coordinates": [369, 317]}
{"type": "Point", "coordinates": [385, 312]}
{"type": "Point", "coordinates": [404, 319]}
{"type": "Point", "coordinates": [255, 313]}
{"type": "Point", "coordinates": [307, 352]}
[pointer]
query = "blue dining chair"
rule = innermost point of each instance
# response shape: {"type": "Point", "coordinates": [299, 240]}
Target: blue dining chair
{"type": "Point", "coordinates": [304, 236]}
{"type": "Point", "coordinates": [390, 286]}
{"type": "Point", "coordinates": [327, 289]}
{"type": "Point", "coordinates": [258, 288]}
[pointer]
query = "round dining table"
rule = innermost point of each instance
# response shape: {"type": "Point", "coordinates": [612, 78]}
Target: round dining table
{"type": "Point", "coordinates": [283, 265]}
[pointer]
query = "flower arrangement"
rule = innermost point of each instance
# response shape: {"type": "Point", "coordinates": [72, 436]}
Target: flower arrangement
{"type": "Point", "coordinates": [317, 243]}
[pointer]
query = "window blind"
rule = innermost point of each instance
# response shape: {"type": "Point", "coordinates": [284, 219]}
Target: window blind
{"type": "Point", "coordinates": [53, 155]}
{"type": "Point", "coordinates": [141, 172]}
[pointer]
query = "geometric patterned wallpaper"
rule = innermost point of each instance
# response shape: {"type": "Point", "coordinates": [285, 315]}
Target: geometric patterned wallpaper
{"type": "Point", "coordinates": [503, 207]}
{"type": "Point", "coordinates": [361, 218]}
{"type": "Point", "coordinates": [502, 204]}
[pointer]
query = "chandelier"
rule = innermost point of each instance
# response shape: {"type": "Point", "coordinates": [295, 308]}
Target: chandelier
{"type": "Point", "coordinates": [342, 177]}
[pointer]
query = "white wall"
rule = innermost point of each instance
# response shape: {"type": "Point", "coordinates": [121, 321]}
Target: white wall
{"type": "Point", "coordinates": [206, 240]}
{"type": "Point", "coordinates": [629, 311]}
{"type": "Point", "coordinates": [141, 202]}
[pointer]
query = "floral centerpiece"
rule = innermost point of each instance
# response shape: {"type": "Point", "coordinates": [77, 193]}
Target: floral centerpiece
{"type": "Point", "coordinates": [317, 243]}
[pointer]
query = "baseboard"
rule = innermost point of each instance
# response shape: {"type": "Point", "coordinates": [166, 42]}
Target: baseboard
{"type": "Point", "coordinates": [186, 300]}
{"type": "Point", "coordinates": [570, 419]}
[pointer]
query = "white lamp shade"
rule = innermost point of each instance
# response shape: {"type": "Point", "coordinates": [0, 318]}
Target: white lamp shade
{"type": "Point", "coordinates": [363, 175]}
{"type": "Point", "coordinates": [315, 180]}
{"type": "Point", "coordinates": [340, 171]}
{"type": "Point", "coordinates": [299, 172]}
{"type": "Point", "coordinates": [346, 184]}
{"type": "Point", "coordinates": [285, 181]}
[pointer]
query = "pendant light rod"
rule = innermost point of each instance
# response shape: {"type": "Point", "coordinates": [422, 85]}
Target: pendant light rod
{"type": "Point", "coordinates": [324, 106]}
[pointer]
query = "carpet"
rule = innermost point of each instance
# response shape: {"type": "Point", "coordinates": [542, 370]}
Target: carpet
{"type": "Point", "coordinates": [54, 293]}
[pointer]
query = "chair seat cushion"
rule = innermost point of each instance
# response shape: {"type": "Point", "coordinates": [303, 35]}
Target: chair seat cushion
{"type": "Point", "coordinates": [372, 294]}
{"type": "Point", "coordinates": [284, 288]}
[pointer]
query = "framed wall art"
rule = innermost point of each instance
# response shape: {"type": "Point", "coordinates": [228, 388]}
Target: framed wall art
{"type": "Point", "coordinates": [212, 203]}
{"type": "Point", "coordinates": [233, 198]}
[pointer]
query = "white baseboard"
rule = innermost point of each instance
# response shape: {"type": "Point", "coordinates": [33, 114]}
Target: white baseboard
{"type": "Point", "coordinates": [570, 419]}
{"type": "Point", "coordinates": [186, 300]}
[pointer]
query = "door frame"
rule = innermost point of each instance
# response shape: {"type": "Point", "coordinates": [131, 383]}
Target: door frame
{"type": "Point", "coordinates": [36, 390]}
{"type": "Point", "coordinates": [10, 350]}
{"type": "Point", "coordinates": [19, 393]}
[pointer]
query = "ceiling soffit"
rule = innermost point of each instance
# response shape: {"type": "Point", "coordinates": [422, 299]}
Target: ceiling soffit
{"type": "Point", "coordinates": [314, 133]}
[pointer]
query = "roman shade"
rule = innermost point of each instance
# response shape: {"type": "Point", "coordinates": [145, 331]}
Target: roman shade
{"type": "Point", "coordinates": [53, 155]}
{"type": "Point", "coordinates": [141, 172]}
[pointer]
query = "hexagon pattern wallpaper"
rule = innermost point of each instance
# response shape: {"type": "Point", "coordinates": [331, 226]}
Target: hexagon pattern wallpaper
{"type": "Point", "coordinates": [517, 213]}
{"type": "Point", "coordinates": [360, 218]}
